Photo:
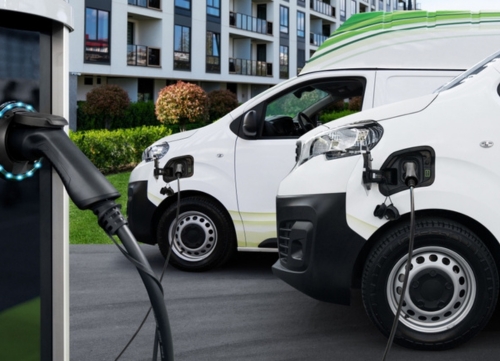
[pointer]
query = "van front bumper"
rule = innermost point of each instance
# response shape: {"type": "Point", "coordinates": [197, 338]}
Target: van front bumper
{"type": "Point", "coordinates": [140, 212]}
{"type": "Point", "coordinates": [317, 249]}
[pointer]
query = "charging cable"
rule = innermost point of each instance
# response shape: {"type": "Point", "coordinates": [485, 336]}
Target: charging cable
{"type": "Point", "coordinates": [178, 174]}
{"type": "Point", "coordinates": [411, 181]}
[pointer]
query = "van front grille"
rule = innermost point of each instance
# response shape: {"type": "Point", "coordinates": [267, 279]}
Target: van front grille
{"type": "Point", "coordinates": [284, 240]}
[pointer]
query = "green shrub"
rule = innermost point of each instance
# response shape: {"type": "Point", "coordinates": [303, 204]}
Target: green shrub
{"type": "Point", "coordinates": [117, 150]}
{"type": "Point", "coordinates": [221, 102]}
{"type": "Point", "coordinates": [107, 101]}
{"type": "Point", "coordinates": [136, 115]}
{"type": "Point", "coordinates": [182, 103]}
{"type": "Point", "coordinates": [327, 117]}
{"type": "Point", "coordinates": [139, 114]}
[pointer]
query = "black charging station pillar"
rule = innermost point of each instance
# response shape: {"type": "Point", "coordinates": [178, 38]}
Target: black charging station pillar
{"type": "Point", "coordinates": [34, 247]}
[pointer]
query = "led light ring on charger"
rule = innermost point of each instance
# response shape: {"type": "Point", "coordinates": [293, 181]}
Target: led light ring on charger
{"type": "Point", "coordinates": [7, 163]}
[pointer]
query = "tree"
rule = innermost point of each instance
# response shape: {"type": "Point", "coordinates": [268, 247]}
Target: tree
{"type": "Point", "coordinates": [108, 101]}
{"type": "Point", "coordinates": [221, 102]}
{"type": "Point", "coordinates": [182, 103]}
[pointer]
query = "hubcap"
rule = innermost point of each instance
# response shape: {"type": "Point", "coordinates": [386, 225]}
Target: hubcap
{"type": "Point", "coordinates": [440, 293]}
{"type": "Point", "coordinates": [195, 237]}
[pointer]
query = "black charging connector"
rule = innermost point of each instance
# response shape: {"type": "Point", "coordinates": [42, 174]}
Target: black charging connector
{"type": "Point", "coordinates": [410, 174]}
{"type": "Point", "coordinates": [26, 137]}
{"type": "Point", "coordinates": [411, 180]}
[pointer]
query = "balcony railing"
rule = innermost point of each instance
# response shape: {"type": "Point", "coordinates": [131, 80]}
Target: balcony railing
{"type": "Point", "coordinates": [141, 55]}
{"type": "Point", "coordinates": [153, 4]}
{"type": "Point", "coordinates": [322, 7]}
{"type": "Point", "coordinates": [212, 64]}
{"type": "Point", "coordinates": [247, 22]}
{"type": "Point", "coordinates": [317, 39]}
{"type": "Point", "coordinates": [250, 67]}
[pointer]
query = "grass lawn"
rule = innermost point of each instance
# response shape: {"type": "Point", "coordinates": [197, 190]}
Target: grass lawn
{"type": "Point", "coordinates": [83, 227]}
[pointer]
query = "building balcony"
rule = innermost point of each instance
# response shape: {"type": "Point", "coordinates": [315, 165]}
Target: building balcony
{"type": "Point", "coordinates": [250, 67]}
{"type": "Point", "coordinates": [317, 39]}
{"type": "Point", "coordinates": [141, 55]}
{"type": "Point", "coordinates": [152, 4]}
{"type": "Point", "coordinates": [247, 22]}
{"type": "Point", "coordinates": [322, 7]}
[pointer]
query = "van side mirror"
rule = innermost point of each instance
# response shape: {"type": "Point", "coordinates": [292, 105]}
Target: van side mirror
{"type": "Point", "coordinates": [250, 124]}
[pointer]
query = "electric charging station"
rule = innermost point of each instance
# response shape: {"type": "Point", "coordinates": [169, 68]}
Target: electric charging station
{"type": "Point", "coordinates": [34, 247]}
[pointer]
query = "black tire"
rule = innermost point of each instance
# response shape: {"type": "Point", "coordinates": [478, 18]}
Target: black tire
{"type": "Point", "coordinates": [452, 290]}
{"type": "Point", "coordinates": [204, 238]}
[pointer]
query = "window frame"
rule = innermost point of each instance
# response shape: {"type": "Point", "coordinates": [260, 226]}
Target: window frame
{"type": "Point", "coordinates": [181, 4]}
{"type": "Point", "coordinates": [284, 21]}
{"type": "Point", "coordinates": [284, 59]}
{"type": "Point", "coordinates": [182, 48]}
{"type": "Point", "coordinates": [210, 39]}
{"type": "Point", "coordinates": [210, 5]}
{"type": "Point", "coordinates": [301, 24]}
{"type": "Point", "coordinates": [97, 23]}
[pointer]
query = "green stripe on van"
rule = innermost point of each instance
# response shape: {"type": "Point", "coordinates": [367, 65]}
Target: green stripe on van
{"type": "Point", "coordinates": [379, 23]}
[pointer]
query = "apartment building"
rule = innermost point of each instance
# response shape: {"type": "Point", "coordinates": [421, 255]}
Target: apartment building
{"type": "Point", "coordinates": [245, 46]}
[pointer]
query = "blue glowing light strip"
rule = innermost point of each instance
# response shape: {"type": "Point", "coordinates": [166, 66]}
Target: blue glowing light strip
{"type": "Point", "coordinates": [37, 164]}
{"type": "Point", "coordinates": [20, 177]}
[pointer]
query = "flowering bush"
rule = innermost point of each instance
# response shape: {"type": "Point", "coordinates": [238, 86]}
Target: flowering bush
{"type": "Point", "coordinates": [221, 102]}
{"type": "Point", "coordinates": [108, 101]}
{"type": "Point", "coordinates": [182, 103]}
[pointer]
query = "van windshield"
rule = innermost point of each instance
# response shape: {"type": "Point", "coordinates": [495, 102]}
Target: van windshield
{"type": "Point", "coordinates": [476, 69]}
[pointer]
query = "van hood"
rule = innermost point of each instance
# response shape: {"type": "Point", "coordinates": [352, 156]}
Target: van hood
{"type": "Point", "coordinates": [378, 114]}
{"type": "Point", "coordinates": [387, 111]}
{"type": "Point", "coordinates": [180, 135]}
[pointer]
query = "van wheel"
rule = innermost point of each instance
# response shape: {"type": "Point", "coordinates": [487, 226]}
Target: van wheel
{"type": "Point", "coordinates": [452, 287]}
{"type": "Point", "coordinates": [203, 239]}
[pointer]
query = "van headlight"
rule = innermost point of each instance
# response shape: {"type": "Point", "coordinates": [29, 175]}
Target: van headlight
{"type": "Point", "coordinates": [345, 141]}
{"type": "Point", "coordinates": [157, 151]}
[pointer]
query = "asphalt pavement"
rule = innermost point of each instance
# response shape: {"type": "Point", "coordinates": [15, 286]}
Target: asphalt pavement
{"type": "Point", "coordinates": [238, 312]}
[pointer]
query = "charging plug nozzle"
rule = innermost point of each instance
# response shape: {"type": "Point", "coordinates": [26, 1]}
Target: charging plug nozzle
{"type": "Point", "coordinates": [178, 170]}
{"type": "Point", "coordinates": [411, 178]}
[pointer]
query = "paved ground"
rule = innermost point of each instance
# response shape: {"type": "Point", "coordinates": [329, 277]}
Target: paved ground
{"type": "Point", "coordinates": [239, 312]}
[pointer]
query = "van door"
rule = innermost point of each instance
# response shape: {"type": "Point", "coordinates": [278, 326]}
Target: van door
{"type": "Point", "coordinates": [263, 160]}
{"type": "Point", "coordinates": [396, 85]}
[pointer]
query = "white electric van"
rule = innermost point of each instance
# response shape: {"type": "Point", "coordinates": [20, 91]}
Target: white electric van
{"type": "Point", "coordinates": [344, 212]}
{"type": "Point", "coordinates": [233, 167]}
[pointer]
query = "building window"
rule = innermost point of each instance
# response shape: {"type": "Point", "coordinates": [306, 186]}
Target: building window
{"type": "Point", "coordinates": [388, 5]}
{"type": "Point", "coordinates": [184, 4]}
{"type": "Point", "coordinates": [381, 5]}
{"type": "Point", "coordinates": [353, 7]}
{"type": "Point", "coordinates": [283, 62]}
{"type": "Point", "coordinates": [342, 10]}
{"type": "Point", "coordinates": [301, 24]}
{"type": "Point", "coordinates": [395, 4]}
{"type": "Point", "coordinates": [284, 19]}
{"type": "Point", "coordinates": [213, 7]}
{"type": "Point", "coordinates": [97, 36]}
{"type": "Point", "coordinates": [155, 4]}
{"type": "Point", "coordinates": [301, 59]}
{"type": "Point", "coordinates": [182, 48]}
{"type": "Point", "coordinates": [213, 52]}
{"type": "Point", "coordinates": [145, 89]}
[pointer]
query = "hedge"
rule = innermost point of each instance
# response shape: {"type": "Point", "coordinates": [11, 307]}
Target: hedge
{"type": "Point", "coordinates": [136, 115]}
{"type": "Point", "coordinates": [117, 150]}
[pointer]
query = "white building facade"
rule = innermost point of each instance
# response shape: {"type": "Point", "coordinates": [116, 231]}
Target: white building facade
{"type": "Point", "coordinates": [241, 45]}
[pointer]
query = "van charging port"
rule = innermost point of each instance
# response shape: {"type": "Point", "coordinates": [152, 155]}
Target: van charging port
{"type": "Point", "coordinates": [183, 165]}
{"type": "Point", "coordinates": [393, 175]}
